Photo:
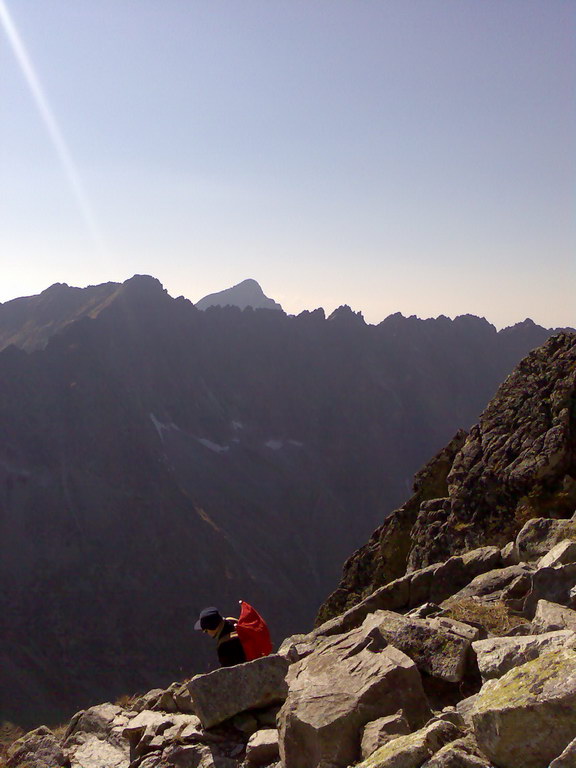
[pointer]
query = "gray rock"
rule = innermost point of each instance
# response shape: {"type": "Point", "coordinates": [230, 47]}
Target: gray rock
{"type": "Point", "coordinates": [147, 700]}
{"type": "Point", "coordinates": [465, 708]}
{"type": "Point", "coordinates": [93, 752]}
{"type": "Point", "coordinates": [150, 731]}
{"type": "Point", "coordinates": [379, 732]}
{"type": "Point", "coordinates": [509, 554]}
{"type": "Point", "coordinates": [492, 583]}
{"type": "Point", "coordinates": [462, 753]}
{"type": "Point", "coordinates": [451, 715]}
{"type": "Point", "coordinates": [560, 554]}
{"type": "Point", "coordinates": [221, 694]}
{"type": "Point", "coordinates": [296, 647]}
{"type": "Point", "coordinates": [424, 611]}
{"type": "Point", "coordinates": [390, 597]}
{"type": "Point", "coordinates": [98, 721]}
{"type": "Point", "coordinates": [567, 759]}
{"type": "Point", "coordinates": [438, 647]}
{"type": "Point", "coordinates": [550, 617]}
{"type": "Point", "coordinates": [541, 534]}
{"type": "Point", "coordinates": [37, 749]}
{"type": "Point", "coordinates": [526, 718]}
{"type": "Point", "coordinates": [498, 655]}
{"type": "Point", "coordinates": [460, 570]}
{"type": "Point", "coordinates": [262, 747]}
{"type": "Point", "coordinates": [552, 584]}
{"type": "Point", "coordinates": [413, 750]}
{"type": "Point", "coordinates": [349, 681]}
{"type": "Point", "coordinates": [421, 584]}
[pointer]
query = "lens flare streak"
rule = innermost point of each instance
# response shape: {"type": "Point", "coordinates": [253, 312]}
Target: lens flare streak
{"type": "Point", "coordinates": [50, 123]}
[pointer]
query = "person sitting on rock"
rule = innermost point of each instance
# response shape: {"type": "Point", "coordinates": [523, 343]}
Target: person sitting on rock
{"type": "Point", "coordinates": [228, 645]}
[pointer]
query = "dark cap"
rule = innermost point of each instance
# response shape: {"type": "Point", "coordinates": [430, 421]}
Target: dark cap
{"type": "Point", "coordinates": [209, 619]}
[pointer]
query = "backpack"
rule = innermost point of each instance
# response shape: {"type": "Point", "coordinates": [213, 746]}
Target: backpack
{"type": "Point", "coordinates": [253, 633]}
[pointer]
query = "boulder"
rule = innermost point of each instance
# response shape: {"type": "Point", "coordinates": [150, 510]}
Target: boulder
{"type": "Point", "coordinates": [493, 583]}
{"type": "Point", "coordinates": [541, 534]}
{"type": "Point", "coordinates": [498, 655]}
{"type": "Point", "coordinates": [462, 753]}
{"type": "Point", "coordinates": [221, 694]}
{"type": "Point", "coordinates": [460, 570]}
{"type": "Point", "coordinates": [438, 646]}
{"type": "Point", "coordinates": [296, 647]}
{"type": "Point", "coordinates": [526, 718]}
{"type": "Point", "coordinates": [349, 681]}
{"type": "Point", "coordinates": [93, 752]}
{"type": "Point", "coordinates": [37, 749]}
{"type": "Point", "coordinates": [152, 731]}
{"type": "Point", "coordinates": [95, 737]}
{"type": "Point", "coordinates": [560, 554]}
{"type": "Point", "coordinates": [413, 750]}
{"type": "Point", "coordinates": [390, 597]}
{"type": "Point", "coordinates": [551, 616]}
{"type": "Point", "coordinates": [381, 731]}
{"type": "Point", "coordinates": [552, 584]}
{"type": "Point", "coordinates": [465, 707]}
{"type": "Point", "coordinates": [567, 759]}
{"type": "Point", "coordinates": [509, 554]}
{"type": "Point", "coordinates": [262, 747]}
{"type": "Point", "coordinates": [98, 721]}
{"type": "Point", "coordinates": [424, 611]}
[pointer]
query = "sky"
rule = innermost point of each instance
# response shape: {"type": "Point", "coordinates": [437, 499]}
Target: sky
{"type": "Point", "coordinates": [414, 156]}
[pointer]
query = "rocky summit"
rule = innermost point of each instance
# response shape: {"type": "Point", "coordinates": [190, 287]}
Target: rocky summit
{"type": "Point", "coordinates": [155, 459]}
{"type": "Point", "coordinates": [463, 656]}
{"type": "Point", "coordinates": [248, 293]}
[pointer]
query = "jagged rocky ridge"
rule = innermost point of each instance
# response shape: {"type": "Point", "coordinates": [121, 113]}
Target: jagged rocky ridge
{"type": "Point", "coordinates": [467, 662]}
{"type": "Point", "coordinates": [155, 459]}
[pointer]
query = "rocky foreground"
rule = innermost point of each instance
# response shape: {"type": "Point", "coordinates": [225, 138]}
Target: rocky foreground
{"type": "Point", "coordinates": [470, 663]}
{"type": "Point", "coordinates": [463, 661]}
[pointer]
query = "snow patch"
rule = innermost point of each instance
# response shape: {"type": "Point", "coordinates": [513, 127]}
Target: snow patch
{"type": "Point", "coordinates": [212, 446]}
{"type": "Point", "coordinates": [275, 445]}
{"type": "Point", "coordinates": [162, 426]}
{"type": "Point", "coordinates": [296, 443]}
{"type": "Point", "coordinates": [237, 425]}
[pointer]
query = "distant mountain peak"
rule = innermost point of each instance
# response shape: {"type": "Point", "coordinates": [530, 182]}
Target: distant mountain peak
{"type": "Point", "coordinates": [345, 315]}
{"type": "Point", "coordinates": [247, 293]}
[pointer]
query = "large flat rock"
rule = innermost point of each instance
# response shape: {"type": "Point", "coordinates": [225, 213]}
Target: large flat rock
{"type": "Point", "coordinates": [415, 749]}
{"type": "Point", "coordinates": [541, 534]}
{"type": "Point", "coordinates": [551, 616]}
{"type": "Point", "coordinates": [348, 681]}
{"type": "Point", "coordinates": [527, 717]}
{"type": "Point", "coordinates": [221, 694]}
{"type": "Point", "coordinates": [498, 655]}
{"type": "Point", "coordinates": [438, 647]}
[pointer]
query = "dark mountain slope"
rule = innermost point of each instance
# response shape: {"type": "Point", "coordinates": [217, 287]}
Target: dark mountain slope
{"type": "Point", "coordinates": [155, 459]}
{"type": "Point", "coordinates": [517, 463]}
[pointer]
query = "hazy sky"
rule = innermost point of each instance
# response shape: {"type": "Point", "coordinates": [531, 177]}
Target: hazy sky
{"type": "Point", "coordinates": [395, 155]}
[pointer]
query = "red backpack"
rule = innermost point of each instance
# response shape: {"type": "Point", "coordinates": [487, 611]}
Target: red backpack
{"type": "Point", "coordinates": [253, 633]}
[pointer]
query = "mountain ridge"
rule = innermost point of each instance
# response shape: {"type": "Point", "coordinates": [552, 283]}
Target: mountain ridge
{"type": "Point", "coordinates": [155, 458]}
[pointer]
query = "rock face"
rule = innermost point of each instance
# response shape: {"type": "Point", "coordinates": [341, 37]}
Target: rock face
{"type": "Point", "coordinates": [527, 717]}
{"type": "Point", "coordinates": [518, 462]}
{"type": "Point", "coordinates": [347, 682]}
{"type": "Point", "coordinates": [248, 293]}
{"type": "Point", "coordinates": [135, 429]}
